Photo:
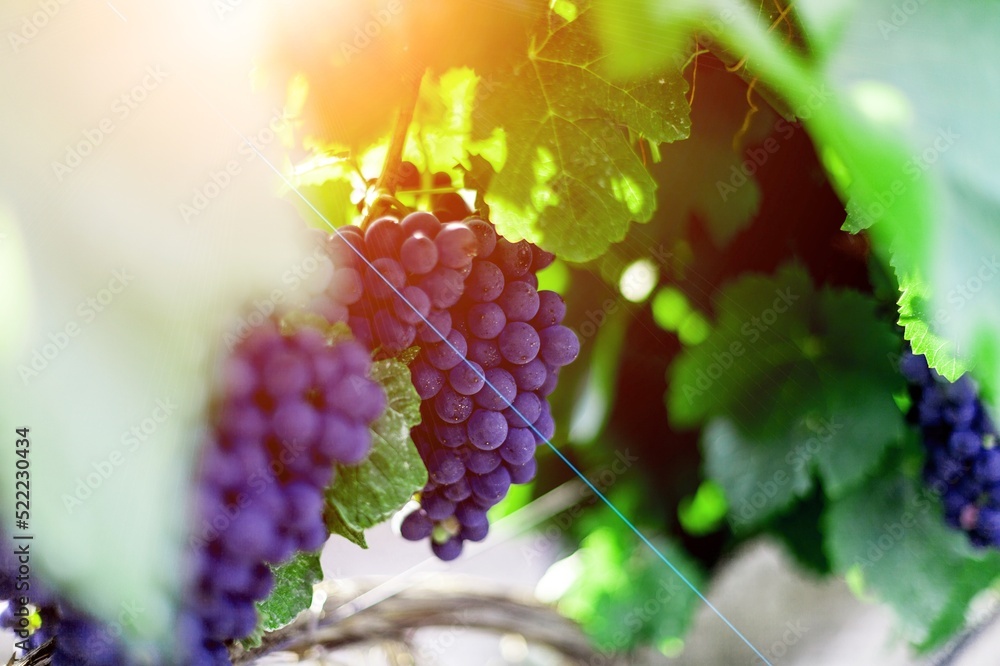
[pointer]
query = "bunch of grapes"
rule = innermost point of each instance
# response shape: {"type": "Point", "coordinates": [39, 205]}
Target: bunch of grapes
{"type": "Point", "coordinates": [484, 391]}
{"type": "Point", "coordinates": [963, 461]}
{"type": "Point", "coordinates": [291, 408]}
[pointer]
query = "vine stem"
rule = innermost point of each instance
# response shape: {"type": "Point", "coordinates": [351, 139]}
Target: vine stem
{"type": "Point", "coordinates": [454, 604]}
{"type": "Point", "coordinates": [388, 180]}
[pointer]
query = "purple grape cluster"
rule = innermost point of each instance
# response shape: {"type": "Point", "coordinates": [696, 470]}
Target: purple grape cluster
{"type": "Point", "coordinates": [963, 460]}
{"type": "Point", "coordinates": [484, 391]}
{"type": "Point", "coordinates": [413, 271]}
{"type": "Point", "coordinates": [291, 408]}
{"type": "Point", "coordinates": [80, 639]}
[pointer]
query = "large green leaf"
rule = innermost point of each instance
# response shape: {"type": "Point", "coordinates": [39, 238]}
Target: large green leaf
{"type": "Point", "coordinates": [760, 475]}
{"type": "Point", "coordinates": [945, 164]}
{"type": "Point", "coordinates": [571, 181]}
{"type": "Point", "coordinates": [367, 494]}
{"type": "Point", "coordinates": [711, 176]}
{"type": "Point", "coordinates": [795, 382]}
{"type": "Point", "coordinates": [892, 533]}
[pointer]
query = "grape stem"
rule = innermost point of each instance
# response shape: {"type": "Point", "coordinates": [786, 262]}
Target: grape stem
{"type": "Point", "coordinates": [385, 186]}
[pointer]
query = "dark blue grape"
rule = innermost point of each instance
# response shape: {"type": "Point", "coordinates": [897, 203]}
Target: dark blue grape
{"type": "Point", "coordinates": [419, 254]}
{"type": "Point", "coordinates": [438, 508]}
{"type": "Point", "coordinates": [383, 238]}
{"type": "Point", "coordinates": [514, 259]}
{"type": "Point", "coordinates": [447, 551]}
{"type": "Point", "coordinates": [519, 342]}
{"type": "Point", "coordinates": [467, 378]}
{"type": "Point", "coordinates": [470, 513]}
{"type": "Point", "coordinates": [428, 380]}
{"type": "Point", "coordinates": [525, 410]}
{"type": "Point", "coordinates": [486, 320]}
{"type": "Point", "coordinates": [451, 406]}
{"type": "Point", "coordinates": [436, 327]}
{"type": "Point", "coordinates": [485, 352]}
{"type": "Point", "coordinates": [475, 532]}
{"type": "Point", "coordinates": [485, 282]}
{"type": "Point", "coordinates": [456, 244]}
{"type": "Point", "coordinates": [445, 467]}
{"type": "Point", "coordinates": [559, 345]}
{"type": "Point", "coordinates": [519, 447]}
{"type": "Point", "coordinates": [519, 301]}
{"type": "Point", "coordinates": [457, 491]}
{"type": "Point", "coordinates": [480, 461]}
{"type": "Point", "coordinates": [420, 222]}
{"type": "Point", "coordinates": [486, 238]}
{"type": "Point", "coordinates": [522, 473]}
{"type": "Point", "coordinates": [417, 526]}
{"type": "Point", "coordinates": [487, 429]}
{"type": "Point", "coordinates": [491, 486]}
{"type": "Point", "coordinates": [499, 390]}
{"type": "Point", "coordinates": [551, 309]}
{"type": "Point", "coordinates": [448, 353]}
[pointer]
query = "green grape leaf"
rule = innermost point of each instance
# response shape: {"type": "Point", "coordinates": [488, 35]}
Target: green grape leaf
{"type": "Point", "coordinates": [749, 353]}
{"type": "Point", "coordinates": [709, 177]}
{"type": "Point", "coordinates": [800, 530]}
{"type": "Point", "coordinates": [292, 594]}
{"type": "Point", "coordinates": [571, 180]}
{"type": "Point", "coordinates": [920, 170]}
{"type": "Point", "coordinates": [760, 476]}
{"type": "Point", "coordinates": [919, 321]}
{"type": "Point", "coordinates": [892, 533]}
{"type": "Point", "coordinates": [622, 594]}
{"type": "Point", "coordinates": [367, 494]}
{"type": "Point", "coordinates": [795, 383]}
{"type": "Point", "coordinates": [335, 523]}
